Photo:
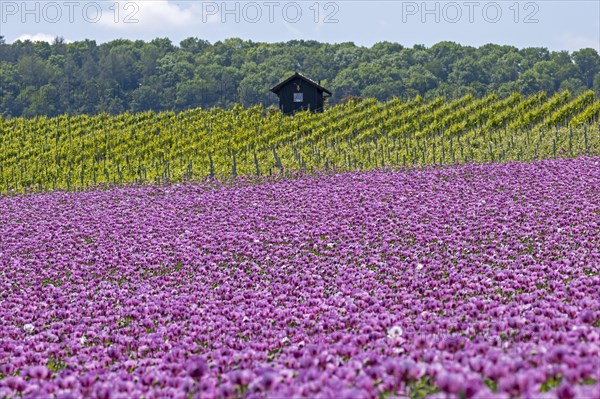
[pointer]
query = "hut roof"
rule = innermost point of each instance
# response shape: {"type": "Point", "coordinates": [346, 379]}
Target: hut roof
{"type": "Point", "coordinates": [276, 88]}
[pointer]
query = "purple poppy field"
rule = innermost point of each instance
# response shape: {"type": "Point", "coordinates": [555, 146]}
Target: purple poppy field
{"type": "Point", "coordinates": [474, 281]}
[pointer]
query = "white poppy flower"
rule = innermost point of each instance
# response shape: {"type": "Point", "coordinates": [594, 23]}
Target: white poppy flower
{"type": "Point", "coordinates": [394, 332]}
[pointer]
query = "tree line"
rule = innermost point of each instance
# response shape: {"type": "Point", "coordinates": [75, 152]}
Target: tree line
{"type": "Point", "coordinates": [83, 77]}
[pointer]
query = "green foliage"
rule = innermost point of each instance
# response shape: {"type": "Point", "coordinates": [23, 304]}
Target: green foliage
{"type": "Point", "coordinates": [591, 113]}
{"type": "Point", "coordinates": [134, 76]}
{"type": "Point", "coordinates": [492, 385]}
{"type": "Point", "coordinates": [565, 113]}
{"type": "Point", "coordinates": [422, 388]}
{"type": "Point", "coordinates": [551, 383]}
{"type": "Point", "coordinates": [75, 152]}
{"type": "Point", "coordinates": [55, 364]}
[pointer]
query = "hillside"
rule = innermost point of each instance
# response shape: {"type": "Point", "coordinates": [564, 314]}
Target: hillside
{"type": "Point", "coordinates": [76, 152]}
{"type": "Point", "coordinates": [134, 76]}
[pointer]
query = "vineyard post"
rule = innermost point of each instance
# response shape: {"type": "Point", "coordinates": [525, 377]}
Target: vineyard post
{"type": "Point", "coordinates": [56, 149]}
{"type": "Point", "coordinates": [119, 173]}
{"type": "Point", "coordinates": [512, 140]}
{"type": "Point", "coordinates": [433, 149]}
{"type": "Point", "coordinates": [234, 165]}
{"type": "Point", "coordinates": [278, 163]}
{"type": "Point", "coordinates": [211, 166]}
{"type": "Point", "coordinates": [389, 152]}
{"type": "Point", "coordinates": [585, 138]}
{"type": "Point", "coordinates": [571, 140]}
{"type": "Point", "coordinates": [452, 150]}
{"type": "Point", "coordinates": [69, 132]}
{"type": "Point", "coordinates": [256, 162]}
{"type": "Point", "coordinates": [82, 173]}
{"type": "Point", "coordinates": [422, 149]}
{"type": "Point", "coordinates": [443, 149]}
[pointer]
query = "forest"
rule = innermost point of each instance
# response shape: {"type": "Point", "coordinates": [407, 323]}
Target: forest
{"type": "Point", "coordinates": [38, 78]}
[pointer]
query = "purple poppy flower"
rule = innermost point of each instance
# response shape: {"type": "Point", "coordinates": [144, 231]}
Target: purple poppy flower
{"type": "Point", "coordinates": [197, 367]}
{"type": "Point", "coordinates": [38, 372]}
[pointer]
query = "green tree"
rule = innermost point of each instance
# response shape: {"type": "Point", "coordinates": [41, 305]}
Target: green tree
{"type": "Point", "coordinates": [10, 84]}
{"type": "Point", "coordinates": [42, 101]}
{"type": "Point", "coordinates": [547, 76]}
{"type": "Point", "coordinates": [573, 85]}
{"type": "Point", "coordinates": [465, 72]}
{"type": "Point", "coordinates": [194, 45]}
{"type": "Point", "coordinates": [174, 69]}
{"type": "Point", "coordinates": [420, 79]}
{"type": "Point", "coordinates": [588, 62]}
{"type": "Point", "coordinates": [145, 97]}
{"type": "Point", "coordinates": [596, 85]}
{"type": "Point", "coordinates": [529, 82]}
{"type": "Point", "coordinates": [34, 70]}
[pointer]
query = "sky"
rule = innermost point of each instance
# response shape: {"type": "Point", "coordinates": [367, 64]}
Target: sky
{"type": "Point", "coordinates": [556, 25]}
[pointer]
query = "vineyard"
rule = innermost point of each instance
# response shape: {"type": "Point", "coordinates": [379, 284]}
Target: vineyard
{"type": "Point", "coordinates": [71, 153]}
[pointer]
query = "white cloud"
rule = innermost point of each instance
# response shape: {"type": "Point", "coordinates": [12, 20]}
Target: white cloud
{"type": "Point", "coordinates": [38, 37]}
{"type": "Point", "coordinates": [574, 42]}
{"type": "Point", "coordinates": [149, 15]}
